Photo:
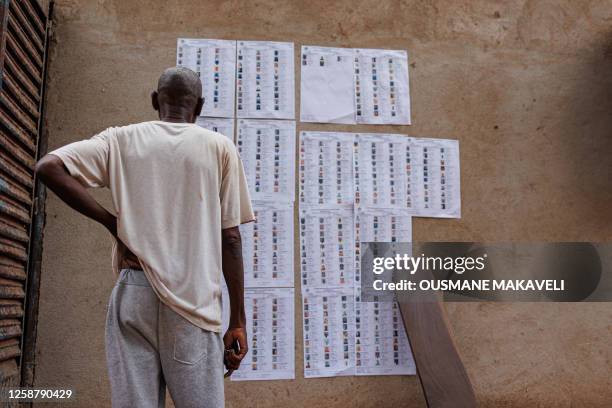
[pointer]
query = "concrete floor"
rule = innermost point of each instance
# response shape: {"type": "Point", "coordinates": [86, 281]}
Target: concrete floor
{"type": "Point", "coordinates": [526, 87]}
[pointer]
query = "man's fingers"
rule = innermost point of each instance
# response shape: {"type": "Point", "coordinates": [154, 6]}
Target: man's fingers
{"type": "Point", "coordinates": [231, 366]}
{"type": "Point", "coordinates": [242, 341]}
{"type": "Point", "coordinates": [243, 352]}
{"type": "Point", "coordinates": [233, 358]}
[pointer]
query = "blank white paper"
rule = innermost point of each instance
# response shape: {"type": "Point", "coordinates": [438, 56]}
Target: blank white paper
{"type": "Point", "coordinates": [327, 85]}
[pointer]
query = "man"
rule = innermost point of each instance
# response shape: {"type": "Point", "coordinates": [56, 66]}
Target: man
{"type": "Point", "coordinates": [180, 194]}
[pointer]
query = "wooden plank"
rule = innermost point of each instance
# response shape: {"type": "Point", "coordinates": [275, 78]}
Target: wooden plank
{"type": "Point", "coordinates": [14, 171]}
{"type": "Point", "coordinates": [13, 230]}
{"type": "Point", "coordinates": [26, 42]}
{"type": "Point", "coordinates": [9, 349]}
{"type": "Point", "coordinates": [13, 47]}
{"type": "Point", "coordinates": [9, 249]}
{"type": "Point", "coordinates": [16, 151]}
{"type": "Point", "coordinates": [12, 269]}
{"type": "Point", "coordinates": [37, 12]}
{"type": "Point", "coordinates": [10, 329]}
{"type": "Point", "coordinates": [9, 85]}
{"type": "Point", "coordinates": [10, 289]}
{"type": "Point", "coordinates": [14, 191]}
{"type": "Point", "coordinates": [14, 130]}
{"type": "Point", "coordinates": [32, 26]}
{"type": "Point", "coordinates": [11, 66]}
{"type": "Point", "coordinates": [21, 117]}
{"type": "Point", "coordinates": [10, 309]}
{"type": "Point", "coordinates": [8, 369]}
{"type": "Point", "coordinates": [10, 209]}
{"type": "Point", "coordinates": [443, 377]}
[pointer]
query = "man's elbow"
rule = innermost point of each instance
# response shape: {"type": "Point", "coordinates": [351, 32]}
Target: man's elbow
{"type": "Point", "coordinates": [232, 241]}
{"type": "Point", "coordinates": [231, 236]}
{"type": "Point", "coordinates": [46, 166]}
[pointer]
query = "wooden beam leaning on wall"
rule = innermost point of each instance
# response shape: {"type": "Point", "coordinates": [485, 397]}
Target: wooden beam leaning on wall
{"type": "Point", "coordinates": [443, 377]}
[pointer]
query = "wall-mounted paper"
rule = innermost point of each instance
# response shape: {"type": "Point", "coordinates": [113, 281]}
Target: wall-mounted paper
{"type": "Point", "coordinates": [327, 247]}
{"type": "Point", "coordinates": [265, 85]}
{"type": "Point", "coordinates": [267, 245]}
{"type": "Point", "coordinates": [381, 344]}
{"type": "Point", "coordinates": [329, 332]}
{"type": "Point", "coordinates": [326, 169]}
{"type": "Point", "coordinates": [215, 62]}
{"type": "Point", "coordinates": [419, 174]}
{"type": "Point", "coordinates": [327, 85]}
{"type": "Point", "coordinates": [436, 167]}
{"type": "Point", "coordinates": [219, 125]}
{"type": "Point", "coordinates": [270, 326]}
{"type": "Point", "coordinates": [354, 85]}
{"type": "Point", "coordinates": [382, 90]}
{"type": "Point", "coordinates": [267, 150]}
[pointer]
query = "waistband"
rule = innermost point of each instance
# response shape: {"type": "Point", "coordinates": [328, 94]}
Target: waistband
{"type": "Point", "coordinates": [133, 277]}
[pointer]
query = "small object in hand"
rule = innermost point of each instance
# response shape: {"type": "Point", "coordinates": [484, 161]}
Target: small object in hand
{"type": "Point", "coordinates": [235, 349]}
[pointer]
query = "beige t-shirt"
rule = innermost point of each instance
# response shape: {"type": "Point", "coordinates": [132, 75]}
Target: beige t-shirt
{"type": "Point", "coordinates": [174, 186]}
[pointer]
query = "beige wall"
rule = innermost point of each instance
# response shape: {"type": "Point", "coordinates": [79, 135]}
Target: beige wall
{"type": "Point", "coordinates": [526, 86]}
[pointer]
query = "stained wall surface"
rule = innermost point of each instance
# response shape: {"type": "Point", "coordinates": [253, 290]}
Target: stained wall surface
{"type": "Point", "coordinates": [525, 86]}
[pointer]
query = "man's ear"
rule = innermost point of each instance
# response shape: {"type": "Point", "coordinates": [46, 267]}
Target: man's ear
{"type": "Point", "coordinates": [198, 108]}
{"type": "Point", "coordinates": [154, 100]}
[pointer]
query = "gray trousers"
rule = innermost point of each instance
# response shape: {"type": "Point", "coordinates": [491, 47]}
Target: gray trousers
{"type": "Point", "coordinates": [149, 346]}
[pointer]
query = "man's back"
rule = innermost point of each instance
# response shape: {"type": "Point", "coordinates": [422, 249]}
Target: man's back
{"type": "Point", "coordinates": [179, 193]}
{"type": "Point", "coordinates": [174, 186]}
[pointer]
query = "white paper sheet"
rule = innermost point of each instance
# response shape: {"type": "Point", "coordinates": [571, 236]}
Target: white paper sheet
{"type": "Point", "coordinates": [382, 90]}
{"type": "Point", "coordinates": [267, 150]}
{"type": "Point", "coordinates": [271, 334]}
{"type": "Point", "coordinates": [326, 169]}
{"type": "Point", "coordinates": [352, 85]}
{"type": "Point", "coordinates": [404, 172]}
{"type": "Point", "coordinates": [215, 63]}
{"type": "Point", "coordinates": [219, 125]}
{"type": "Point", "coordinates": [265, 85]}
{"type": "Point", "coordinates": [267, 245]}
{"type": "Point", "coordinates": [327, 85]}
{"type": "Point", "coordinates": [381, 344]}
{"type": "Point", "coordinates": [327, 247]}
{"type": "Point", "coordinates": [435, 164]}
{"type": "Point", "coordinates": [382, 170]}
{"type": "Point", "coordinates": [329, 332]}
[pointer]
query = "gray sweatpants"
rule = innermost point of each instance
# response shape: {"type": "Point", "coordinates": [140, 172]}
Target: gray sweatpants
{"type": "Point", "coordinates": [149, 346]}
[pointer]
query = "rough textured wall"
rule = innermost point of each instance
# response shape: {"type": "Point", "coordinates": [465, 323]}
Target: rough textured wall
{"type": "Point", "coordinates": [524, 85]}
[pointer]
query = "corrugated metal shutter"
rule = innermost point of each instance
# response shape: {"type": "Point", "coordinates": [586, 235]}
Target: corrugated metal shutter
{"type": "Point", "coordinates": [22, 64]}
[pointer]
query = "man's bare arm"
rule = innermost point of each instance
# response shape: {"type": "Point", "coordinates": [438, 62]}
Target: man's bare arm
{"type": "Point", "coordinates": [233, 271]}
{"type": "Point", "coordinates": [52, 172]}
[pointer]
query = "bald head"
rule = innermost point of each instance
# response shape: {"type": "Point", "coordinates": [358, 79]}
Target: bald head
{"type": "Point", "coordinates": [179, 89]}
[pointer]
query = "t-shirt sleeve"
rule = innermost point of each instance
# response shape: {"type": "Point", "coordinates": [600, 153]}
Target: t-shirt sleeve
{"type": "Point", "coordinates": [234, 195]}
{"type": "Point", "coordinates": [87, 160]}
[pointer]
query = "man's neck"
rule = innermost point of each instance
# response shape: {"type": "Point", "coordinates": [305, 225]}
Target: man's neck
{"type": "Point", "coordinates": [176, 115]}
{"type": "Point", "coordinates": [175, 119]}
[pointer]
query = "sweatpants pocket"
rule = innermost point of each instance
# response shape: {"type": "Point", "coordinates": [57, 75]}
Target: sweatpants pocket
{"type": "Point", "coordinates": [189, 343]}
